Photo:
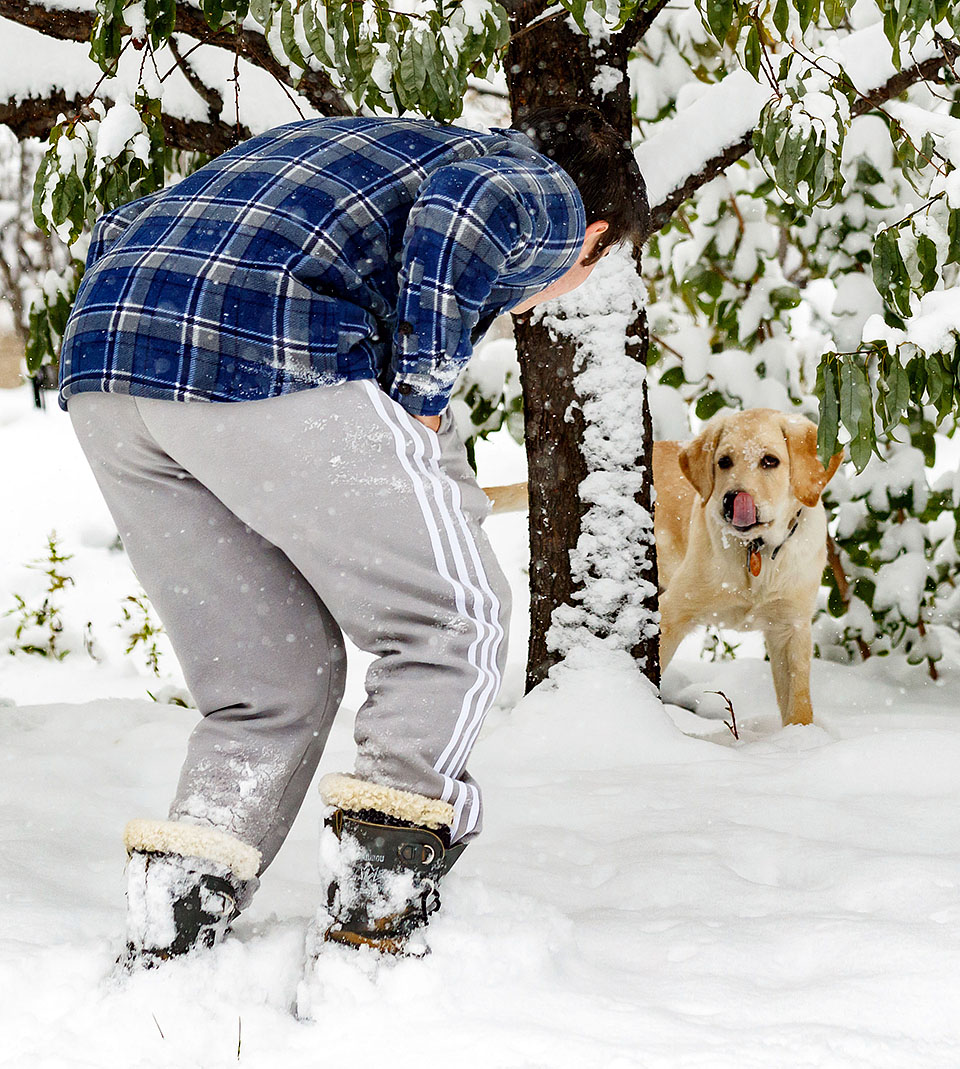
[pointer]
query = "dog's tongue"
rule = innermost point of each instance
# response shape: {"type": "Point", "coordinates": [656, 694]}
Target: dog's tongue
{"type": "Point", "coordinates": [744, 510]}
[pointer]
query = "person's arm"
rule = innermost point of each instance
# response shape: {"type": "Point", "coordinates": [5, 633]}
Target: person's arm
{"type": "Point", "coordinates": [111, 226]}
{"type": "Point", "coordinates": [477, 224]}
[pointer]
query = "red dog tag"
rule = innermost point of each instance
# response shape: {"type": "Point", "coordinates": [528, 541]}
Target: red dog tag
{"type": "Point", "coordinates": [754, 564]}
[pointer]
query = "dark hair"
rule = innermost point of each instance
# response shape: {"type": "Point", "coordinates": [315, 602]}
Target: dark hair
{"type": "Point", "coordinates": [600, 162]}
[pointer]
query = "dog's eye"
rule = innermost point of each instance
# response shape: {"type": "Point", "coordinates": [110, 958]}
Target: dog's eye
{"type": "Point", "coordinates": [770, 461]}
{"type": "Point", "coordinates": [725, 462]}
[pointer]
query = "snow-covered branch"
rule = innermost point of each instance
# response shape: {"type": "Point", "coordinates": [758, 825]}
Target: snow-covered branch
{"type": "Point", "coordinates": [76, 25]}
{"type": "Point", "coordinates": [702, 141]}
{"type": "Point", "coordinates": [36, 117]}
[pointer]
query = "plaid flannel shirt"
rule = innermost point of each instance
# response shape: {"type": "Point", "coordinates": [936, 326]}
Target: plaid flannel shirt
{"type": "Point", "coordinates": [319, 252]}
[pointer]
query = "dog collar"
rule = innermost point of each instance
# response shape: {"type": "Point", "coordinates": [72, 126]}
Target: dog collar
{"type": "Point", "coordinates": [754, 560]}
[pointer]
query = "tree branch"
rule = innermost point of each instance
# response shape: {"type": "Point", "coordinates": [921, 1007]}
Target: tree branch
{"type": "Point", "coordinates": [36, 117]}
{"type": "Point", "coordinates": [213, 98]}
{"type": "Point", "coordinates": [636, 28]}
{"type": "Point", "coordinates": [67, 25]}
{"type": "Point", "coordinates": [660, 214]}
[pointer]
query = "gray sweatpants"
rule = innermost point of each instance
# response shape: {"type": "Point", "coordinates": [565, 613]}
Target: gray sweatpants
{"type": "Point", "coordinates": [259, 530]}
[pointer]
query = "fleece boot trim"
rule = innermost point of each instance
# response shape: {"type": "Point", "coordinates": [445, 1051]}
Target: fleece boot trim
{"type": "Point", "coordinates": [193, 840]}
{"type": "Point", "coordinates": [358, 795]}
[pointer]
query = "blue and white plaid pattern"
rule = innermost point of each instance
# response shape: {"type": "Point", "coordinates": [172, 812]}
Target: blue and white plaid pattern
{"type": "Point", "coordinates": [319, 252]}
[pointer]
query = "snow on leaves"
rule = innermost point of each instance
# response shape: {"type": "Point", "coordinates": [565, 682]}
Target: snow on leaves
{"type": "Point", "coordinates": [96, 160]}
{"type": "Point", "coordinates": [799, 141]}
{"type": "Point", "coordinates": [414, 57]}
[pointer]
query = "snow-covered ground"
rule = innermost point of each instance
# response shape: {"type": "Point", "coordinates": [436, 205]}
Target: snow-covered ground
{"type": "Point", "coordinates": [648, 892]}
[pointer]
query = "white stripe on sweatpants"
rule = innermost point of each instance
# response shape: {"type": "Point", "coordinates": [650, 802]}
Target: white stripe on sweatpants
{"type": "Point", "coordinates": [482, 652]}
{"type": "Point", "coordinates": [452, 760]}
{"type": "Point", "coordinates": [489, 630]}
{"type": "Point", "coordinates": [485, 677]}
{"type": "Point", "coordinates": [459, 756]}
{"type": "Point", "coordinates": [462, 583]}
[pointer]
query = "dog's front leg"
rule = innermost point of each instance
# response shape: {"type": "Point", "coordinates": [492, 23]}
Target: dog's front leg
{"type": "Point", "coordinates": [789, 647]}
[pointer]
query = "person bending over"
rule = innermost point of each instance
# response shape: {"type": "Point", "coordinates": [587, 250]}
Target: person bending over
{"type": "Point", "coordinates": [258, 367]}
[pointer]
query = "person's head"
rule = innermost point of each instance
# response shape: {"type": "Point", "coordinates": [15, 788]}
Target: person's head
{"type": "Point", "coordinates": [602, 165]}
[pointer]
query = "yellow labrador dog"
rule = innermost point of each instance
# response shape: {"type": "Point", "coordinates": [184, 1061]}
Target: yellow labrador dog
{"type": "Point", "coordinates": [741, 539]}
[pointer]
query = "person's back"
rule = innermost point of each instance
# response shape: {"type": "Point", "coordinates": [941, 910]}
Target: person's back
{"type": "Point", "coordinates": [279, 265]}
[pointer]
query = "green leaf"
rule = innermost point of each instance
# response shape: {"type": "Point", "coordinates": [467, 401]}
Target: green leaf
{"type": "Point", "coordinates": [315, 34]}
{"type": "Point", "coordinates": [946, 385]}
{"type": "Point", "coordinates": [288, 36]}
{"type": "Point", "coordinates": [262, 11]}
{"type": "Point", "coordinates": [412, 69]}
{"type": "Point", "coordinates": [161, 17]}
{"type": "Point", "coordinates": [783, 298]}
{"type": "Point", "coordinates": [810, 157]}
{"type": "Point", "coordinates": [927, 261]}
{"type": "Point", "coordinates": [953, 235]}
{"type": "Point", "coordinates": [212, 12]}
{"type": "Point", "coordinates": [785, 171]}
{"type": "Point", "coordinates": [936, 380]}
{"type": "Point", "coordinates": [751, 52]}
{"type": "Point", "coordinates": [856, 412]}
{"type": "Point", "coordinates": [828, 391]}
{"type": "Point", "coordinates": [720, 18]}
{"type": "Point", "coordinates": [436, 66]}
{"type": "Point", "coordinates": [835, 605]}
{"type": "Point", "coordinates": [69, 201]}
{"type": "Point", "coordinates": [39, 349]}
{"type": "Point", "coordinates": [673, 378]}
{"type": "Point", "coordinates": [710, 404]}
{"type": "Point", "coordinates": [578, 10]}
{"type": "Point", "coordinates": [864, 590]}
{"type": "Point", "coordinates": [894, 386]}
{"type": "Point", "coordinates": [867, 174]}
{"type": "Point", "coordinates": [872, 202]}
{"type": "Point", "coordinates": [781, 16]}
{"type": "Point", "coordinates": [47, 164]}
{"type": "Point", "coordinates": [891, 30]}
{"type": "Point", "coordinates": [835, 10]}
{"type": "Point", "coordinates": [890, 273]}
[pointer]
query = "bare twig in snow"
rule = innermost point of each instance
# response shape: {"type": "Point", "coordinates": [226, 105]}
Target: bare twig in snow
{"type": "Point", "coordinates": [732, 722]}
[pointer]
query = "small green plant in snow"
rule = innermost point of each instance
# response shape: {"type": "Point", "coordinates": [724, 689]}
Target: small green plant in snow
{"type": "Point", "coordinates": [39, 627]}
{"type": "Point", "coordinates": [137, 614]}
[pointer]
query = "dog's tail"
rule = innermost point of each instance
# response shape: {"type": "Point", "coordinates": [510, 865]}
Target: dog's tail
{"type": "Point", "coordinates": [512, 498]}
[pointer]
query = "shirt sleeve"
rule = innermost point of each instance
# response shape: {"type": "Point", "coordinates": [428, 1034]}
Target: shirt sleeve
{"type": "Point", "coordinates": [516, 225]}
{"type": "Point", "coordinates": [112, 225]}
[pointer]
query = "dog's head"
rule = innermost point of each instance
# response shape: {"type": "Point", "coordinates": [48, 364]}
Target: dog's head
{"type": "Point", "coordinates": [753, 469]}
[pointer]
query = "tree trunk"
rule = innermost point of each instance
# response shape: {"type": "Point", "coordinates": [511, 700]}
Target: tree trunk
{"type": "Point", "coordinates": [546, 65]}
{"type": "Point", "coordinates": [555, 468]}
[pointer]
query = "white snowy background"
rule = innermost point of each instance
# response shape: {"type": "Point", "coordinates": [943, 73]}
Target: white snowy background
{"type": "Point", "coordinates": [649, 891]}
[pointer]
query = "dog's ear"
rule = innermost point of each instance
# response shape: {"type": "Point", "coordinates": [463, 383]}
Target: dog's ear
{"type": "Point", "coordinates": [696, 457]}
{"type": "Point", "coordinates": [808, 476]}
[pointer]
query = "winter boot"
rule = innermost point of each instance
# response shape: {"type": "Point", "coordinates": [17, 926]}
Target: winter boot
{"type": "Point", "coordinates": [186, 884]}
{"type": "Point", "coordinates": [386, 866]}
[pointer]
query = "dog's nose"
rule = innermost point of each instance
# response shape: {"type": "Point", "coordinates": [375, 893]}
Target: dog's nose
{"type": "Point", "coordinates": [728, 499]}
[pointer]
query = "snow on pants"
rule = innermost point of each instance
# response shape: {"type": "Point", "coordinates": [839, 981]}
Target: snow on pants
{"type": "Point", "coordinates": [259, 530]}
